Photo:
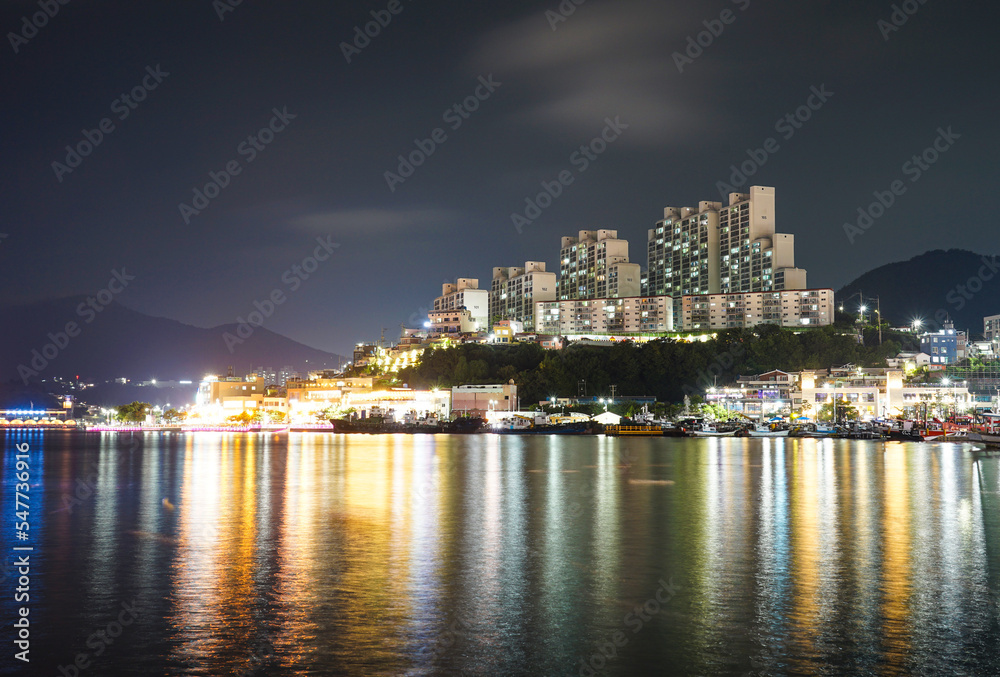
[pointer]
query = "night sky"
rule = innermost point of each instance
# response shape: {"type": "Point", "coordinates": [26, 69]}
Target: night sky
{"type": "Point", "coordinates": [210, 80]}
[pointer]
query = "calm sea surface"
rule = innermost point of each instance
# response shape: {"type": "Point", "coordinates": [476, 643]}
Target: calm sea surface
{"type": "Point", "coordinates": [311, 554]}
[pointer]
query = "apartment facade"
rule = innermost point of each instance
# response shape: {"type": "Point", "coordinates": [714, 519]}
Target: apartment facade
{"type": "Point", "coordinates": [991, 332]}
{"type": "Point", "coordinates": [465, 294]}
{"type": "Point", "coordinates": [722, 249]}
{"type": "Point", "coordinates": [630, 315]}
{"type": "Point", "coordinates": [798, 308]}
{"type": "Point", "coordinates": [595, 264]}
{"type": "Point", "coordinates": [515, 291]}
{"type": "Point", "coordinates": [682, 252]}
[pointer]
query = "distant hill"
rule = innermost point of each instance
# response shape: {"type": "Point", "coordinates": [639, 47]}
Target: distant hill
{"type": "Point", "coordinates": [959, 284]}
{"type": "Point", "coordinates": [120, 342]}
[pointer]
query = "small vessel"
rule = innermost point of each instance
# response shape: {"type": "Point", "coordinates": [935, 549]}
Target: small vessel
{"type": "Point", "coordinates": [714, 431]}
{"type": "Point", "coordinates": [767, 431]}
{"type": "Point", "coordinates": [385, 425]}
{"type": "Point", "coordinates": [634, 430]}
{"type": "Point", "coordinates": [813, 430]}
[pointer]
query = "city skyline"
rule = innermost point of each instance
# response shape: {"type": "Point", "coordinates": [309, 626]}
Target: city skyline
{"type": "Point", "coordinates": [829, 105]}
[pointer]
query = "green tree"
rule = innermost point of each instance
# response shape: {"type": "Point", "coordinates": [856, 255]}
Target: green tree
{"type": "Point", "coordinates": [173, 415]}
{"type": "Point", "coordinates": [844, 412]}
{"type": "Point", "coordinates": [135, 412]}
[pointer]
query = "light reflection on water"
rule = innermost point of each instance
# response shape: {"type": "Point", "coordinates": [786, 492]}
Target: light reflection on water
{"type": "Point", "coordinates": [322, 554]}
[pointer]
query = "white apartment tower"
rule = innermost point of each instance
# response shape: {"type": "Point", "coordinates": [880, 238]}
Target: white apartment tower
{"type": "Point", "coordinates": [515, 291]}
{"type": "Point", "coordinates": [465, 293]}
{"type": "Point", "coordinates": [595, 265]}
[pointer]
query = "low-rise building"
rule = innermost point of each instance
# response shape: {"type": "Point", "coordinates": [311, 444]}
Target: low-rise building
{"type": "Point", "coordinates": [213, 390]}
{"type": "Point", "coordinates": [451, 323]}
{"type": "Point", "coordinates": [506, 331]}
{"type": "Point", "coordinates": [630, 315]}
{"type": "Point", "coordinates": [908, 361]}
{"type": "Point", "coordinates": [792, 308]}
{"type": "Point", "coordinates": [945, 346]}
{"type": "Point", "coordinates": [874, 393]}
{"type": "Point", "coordinates": [220, 397]}
{"type": "Point", "coordinates": [480, 400]}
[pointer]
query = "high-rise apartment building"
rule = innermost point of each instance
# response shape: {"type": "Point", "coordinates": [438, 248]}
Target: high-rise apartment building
{"type": "Point", "coordinates": [715, 249]}
{"type": "Point", "coordinates": [991, 328]}
{"type": "Point", "coordinates": [465, 293]}
{"type": "Point", "coordinates": [595, 265]}
{"type": "Point", "coordinates": [515, 291]}
{"type": "Point", "coordinates": [683, 251]}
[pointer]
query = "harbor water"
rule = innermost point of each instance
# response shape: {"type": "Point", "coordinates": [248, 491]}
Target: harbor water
{"type": "Point", "coordinates": [320, 554]}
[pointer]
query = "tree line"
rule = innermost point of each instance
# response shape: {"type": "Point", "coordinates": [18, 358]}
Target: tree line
{"type": "Point", "coordinates": [665, 368]}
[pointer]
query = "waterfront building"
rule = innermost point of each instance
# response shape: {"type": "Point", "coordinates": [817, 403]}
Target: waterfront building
{"type": "Point", "coordinates": [220, 397]}
{"type": "Point", "coordinates": [480, 400]}
{"type": "Point", "coordinates": [399, 403]}
{"type": "Point", "coordinates": [514, 292]}
{"type": "Point", "coordinates": [798, 308]}
{"type": "Point", "coordinates": [320, 391]}
{"type": "Point", "coordinates": [309, 398]}
{"type": "Point", "coordinates": [880, 393]}
{"type": "Point", "coordinates": [875, 393]}
{"type": "Point", "coordinates": [945, 346]}
{"type": "Point", "coordinates": [214, 389]}
{"type": "Point", "coordinates": [465, 294]}
{"type": "Point", "coordinates": [595, 265]}
{"type": "Point", "coordinates": [630, 315]}
{"type": "Point", "coordinates": [761, 396]}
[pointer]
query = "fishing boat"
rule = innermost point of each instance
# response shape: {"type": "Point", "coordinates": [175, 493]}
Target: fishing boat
{"type": "Point", "coordinates": [813, 430]}
{"type": "Point", "coordinates": [767, 431]}
{"type": "Point", "coordinates": [380, 425]}
{"type": "Point", "coordinates": [713, 431]}
{"type": "Point", "coordinates": [544, 429]}
{"type": "Point", "coordinates": [634, 430]}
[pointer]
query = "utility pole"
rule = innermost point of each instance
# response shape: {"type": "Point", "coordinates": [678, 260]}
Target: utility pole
{"type": "Point", "coordinates": [878, 311]}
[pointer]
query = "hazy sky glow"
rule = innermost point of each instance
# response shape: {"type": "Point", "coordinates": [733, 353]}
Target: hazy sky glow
{"type": "Point", "coordinates": [266, 90]}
